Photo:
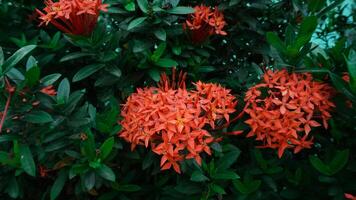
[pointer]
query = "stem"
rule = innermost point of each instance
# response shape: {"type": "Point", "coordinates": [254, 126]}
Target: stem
{"type": "Point", "coordinates": [5, 111]}
{"type": "Point", "coordinates": [11, 91]}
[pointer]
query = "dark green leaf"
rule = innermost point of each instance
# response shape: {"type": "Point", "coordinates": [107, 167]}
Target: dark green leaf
{"type": "Point", "coordinates": [26, 159]}
{"type": "Point", "coordinates": [58, 184]}
{"type": "Point", "coordinates": [38, 117]}
{"type": "Point", "coordinates": [339, 161]}
{"type": "Point", "coordinates": [158, 52]}
{"type": "Point", "coordinates": [181, 10]}
{"type": "Point", "coordinates": [63, 91]}
{"type": "Point", "coordinates": [32, 76]}
{"type": "Point", "coordinates": [160, 34]}
{"type": "Point", "coordinates": [50, 79]}
{"type": "Point", "coordinates": [143, 5]}
{"type": "Point", "coordinates": [217, 188]}
{"type": "Point", "coordinates": [106, 173]}
{"type": "Point", "coordinates": [31, 62]}
{"type": "Point", "coordinates": [106, 148]}
{"type": "Point", "coordinates": [198, 176]}
{"type": "Point", "coordinates": [74, 55]}
{"type": "Point", "coordinates": [319, 165]}
{"type": "Point", "coordinates": [226, 175]}
{"type": "Point", "coordinates": [136, 22]}
{"type": "Point", "coordinates": [166, 62]}
{"type": "Point", "coordinates": [276, 42]}
{"type": "Point", "coordinates": [87, 71]}
{"type": "Point", "coordinates": [13, 188]}
{"type": "Point", "coordinates": [17, 57]}
{"type": "Point", "coordinates": [89, 180]}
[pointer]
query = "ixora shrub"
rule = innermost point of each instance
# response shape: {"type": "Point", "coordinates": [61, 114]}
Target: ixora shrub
{"type": "Point", "coordinates": [92, 105]}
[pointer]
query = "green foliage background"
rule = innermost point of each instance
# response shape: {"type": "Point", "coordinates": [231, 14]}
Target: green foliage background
{"type": "Point", "coordinates": [132, 44]}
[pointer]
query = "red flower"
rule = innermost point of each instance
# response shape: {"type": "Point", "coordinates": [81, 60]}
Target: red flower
{"type": "Point", "coordinates": [173, 121]}
{"type": "Point", "coordinates": [205, 22]}
{"type": "Point", "coordinates": [284, 108]}
{"type": "Point", "coordinates": [350, 196]}
{"type": "Point", "coordinates": [49, 90]}
{"type": "Point", "coordinates": [77, 17]}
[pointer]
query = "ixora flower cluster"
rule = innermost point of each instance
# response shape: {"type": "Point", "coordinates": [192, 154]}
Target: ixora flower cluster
{"type": "Point", "coordinates": [173, 121]}
{"type": "Point", "coordinates": [204, 22]}
{"type": "Point", "coordinates": [76, 17]}
{"type": "Point", "coordinates": [284, 108]}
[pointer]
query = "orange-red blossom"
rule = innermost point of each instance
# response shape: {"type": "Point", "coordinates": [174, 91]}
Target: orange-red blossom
{"type": "Point", "coordinates": [77, 17]}
{"type": "Point", "coordinates": [350, 196]}
{"type": "Point", "coordinates": [173, 121]}
{"type": "Point", "coordinates": [205, 22]}
{"type": "Point", "coordinates": [285, 107]}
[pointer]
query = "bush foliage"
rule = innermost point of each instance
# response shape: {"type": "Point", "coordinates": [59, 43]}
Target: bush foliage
{"type": "Point", "coordinates": [176, 99]}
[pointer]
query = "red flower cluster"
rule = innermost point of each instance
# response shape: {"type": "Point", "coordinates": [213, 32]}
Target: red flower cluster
{"type": "Point", "coordinates": [77, 17]}
{"type": "Point", "coordinates": [350, 196]}
{"type": "Point", "coordinates": [205, 22]}
{"type": "Point", "coordinates": [173, 120]}
{"type": "Point", "coordinates": [284, 108]}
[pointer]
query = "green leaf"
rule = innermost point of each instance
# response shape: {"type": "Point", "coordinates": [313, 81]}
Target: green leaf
{"type": "Point", "coordinates": [32, 76]}
{"type": "Point", "coordinates": [276, 42]}
{"type": "Point", "coordinates": [290, 35]}
{"type": "Point", "coordinates": [339, 161]}
{"type": "Point", "coordinates": [166, 62]}
{"type": "Point", "coordinates": [58, 184]}
{"type": "Point", "coordinates": [74, 55]}
{"type": "Point", "coordinates": [16, 57]}
{"type": "Point", "coordinates": [38, 117]}
{"type": "Point", "coordinates": [248, 186]}
{"type": "Point", "coordinates": [319, 165]}
{"type": "Point", "coordinates": [181, 10]}
{"type": "Point", "coordinates": [26, 159]}
{"type": "Point", "coordinates": [136, 22]}
{"type": "Point", "coordinates": [7, 138]}
{"type": "Point", "coordinates": [154, 74]}
{"type": "Point", "coordinates": [87, 71]}
{"type": "Point", "coordinates": [226, 175]}
{"type": "Point", "coordinates": [306, 31]}
{"type": "Point", "coordinates": [308, 25]}
{"type": "Point", "coordinates": [315, 6]}
{"type": "Point", "coordinates": [198, 176]}
{"type": "Point", "coordinates": [158, 52]}
{"type": "Point", "coordinates": [228, 159]}
{"type": "Point", "coordinates": [89, 146]}
{"type": "Point", "coordinates": [63, 91]}
{"type": "Point", "coordinates": [31, 62]}
{"type": "Point", "coordinates": [50, 79]}
{"type": "Point", "coordinates": [351, 66]}
{"type": "Point", "coordinates": [217, 188]}
{"type": "Point", "coordinates": [143, 5]}
{"type": "Point", "coordinates": [160, 34]}
{"type": "Point", "coordinates": [106, 148]}
{"type": "Point", "coordinates": [341, 86]}
{"type": "Point", "coordinates": [89, 180]}
{"type": "Point", "coordinates": [13, 188]}
{"type": "Point", "coordinates": [130, 6]}
{"type": "Point", "coordinates": [106, 173]}
{"type": "Point", "coordinates": [2, 58]}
